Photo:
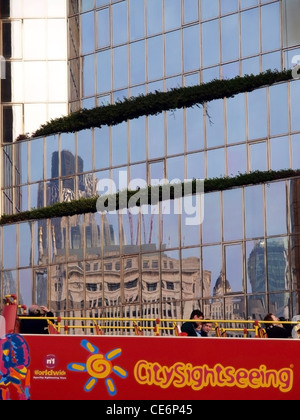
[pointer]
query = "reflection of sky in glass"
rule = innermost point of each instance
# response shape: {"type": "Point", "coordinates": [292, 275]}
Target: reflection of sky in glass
{"type": "Point", "coordinates": [212, 261]}
{"type": "Point", "coordinates": [25, 281]}
{"type": "Point", "coordinates": [280, 158]}
{"type": "Point", "coordinates": [276, 208]}
{"type": "Point", "coordinates": [254, 212]}
{"type": "Point", "coordinates": [234, 267]}
{"type": "Point", "coordinates": [9, 247]}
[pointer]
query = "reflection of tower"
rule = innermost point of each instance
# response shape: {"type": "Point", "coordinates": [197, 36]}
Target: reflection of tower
{"type": "Point", "coordinates": [256, 268]}
{"type": "Point", "coordinates": [276, 273]}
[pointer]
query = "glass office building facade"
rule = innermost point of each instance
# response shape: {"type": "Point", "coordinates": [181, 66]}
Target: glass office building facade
{"type": "Point", "coordinates": [242, 261]}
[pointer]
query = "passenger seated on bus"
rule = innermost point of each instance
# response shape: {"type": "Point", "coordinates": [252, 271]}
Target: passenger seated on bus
{"type": "Point", "coordinates": [193, 329]}
{"type": "Point", "coordinates": [206, 329]}
{"type": "Point", "coordinates": [275, 330]}
{"type": "Point", "coordinates": [36, 326]}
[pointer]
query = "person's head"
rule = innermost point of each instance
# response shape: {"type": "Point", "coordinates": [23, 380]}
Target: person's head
{"type": "Point", "coordinates": [197, 315]}
{"type": "Point", "coordinates": [206, 327]}
{"type": "Point", "coordinates": [35, 310]}
{"type": "Point", "coordinates": [270, 317]}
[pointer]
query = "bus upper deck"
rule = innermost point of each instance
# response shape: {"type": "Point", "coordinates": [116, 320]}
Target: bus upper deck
{"type": "Point", "coordinates": [130, 359]}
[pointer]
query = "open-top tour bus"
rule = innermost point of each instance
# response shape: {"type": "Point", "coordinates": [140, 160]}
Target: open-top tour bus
{"type": "Point", "coordinates": [143, 360]}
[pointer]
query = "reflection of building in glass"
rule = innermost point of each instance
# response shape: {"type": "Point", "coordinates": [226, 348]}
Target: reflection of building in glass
{"type": "Point", "coordinates": [64, 165]}
{"type": "Point", "coordinates": [268, 267]}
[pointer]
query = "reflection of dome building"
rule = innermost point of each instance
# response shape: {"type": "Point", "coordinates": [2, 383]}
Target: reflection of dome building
{"type": "Point", "coordinates": [274, 256]}
{"type": "Point", "coordinates": [222, 286]}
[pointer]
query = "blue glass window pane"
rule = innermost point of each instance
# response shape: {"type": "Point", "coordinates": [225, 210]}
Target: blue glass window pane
{"type": "Point", "coordinates": [101, 147]}
{"type": "Point", "coordinates": [236, 125]}
{"type": "Point", "coordinates": [101, 2]}
{"type": "Point", "coordinates": [271, 26]}
{"type": "Point", "coordinates": [250, 66]}
{"type": "Point", "coordinates": [190, 10]}
{"type": "Point", "coordinates": [209, 8]}
{"type": "Point", "coordinates": [137, 19]}
{"type": "Point", "coordinates": [232, 215]}
{"type": "Point", "coordinates": [10, 249]}
{"type": "Point", "coordinates": [172, 14]}
{"type": "Point", "coordinates": [195, 166]}
{"type": "Point", "coordinates": [173, 53]}
{"type": "Point", "coordinates": [210, 43]}
{"type": "Point", "coordinates": [295, 109]}
{"type": "Point", "coordinates": [230, 37]}
{"type": "Point", "coordinates": [258, 156]}
{"type": "Point", "coordinates": [119, 144]}
{"type": "Point", "coordinates": [215, 123]}
{"type": "Point", "coordinates": [156, 136]}
{"type": "Point", "coordinates": [120, 67]}
{"type": "Point", "coordinates": [154, 17]}
{"type": "Point", "coordinates": [248, 3]}
{"type": "Point", "coordinates": [87, 33]}
{"type": "Point", "coordinates": [137, 140]}
{"type": "Point", "coordinates": [254, 214]}
{"type": "Point", "coordinates": [104, 71]}
{"type": "Point", "coordinates": [234, 268]}
{"type": "Point", "coordinates": [237, 159]}
{"type": "Point", "coordinates": [119, 19]}
{"type": "Point", "coordinates": [87, 5]}
{"type": "Point", "coordinates": [279, 109]}
{"type": "Point", "coordinates": [137, 59]}
{"type": "Point", "coordinates": [191, 40]}
{"type": "Point", "coordinates": [276, 208]}
{"type": "Point", "coordinates": [155, 58]}
{"type": "Point", "coordinates": [37, 160]}
{"type": "Point", "coordinates": [279, 153]}
{"type": "Point", "coordinates": [25, 252]}
{"type": "Point", "coordinates": [103, 28]}
{"type": "Point", "coordinates": [194, 128]}
{"type": "Point", "coordinates": [89, 75]}
{"type": "Point", "coordinates": [176, 169]}
{"type": "Point", "coordinates": [272, 61]}
{"type": "Point", "coordinates": [296, 151]}
{"type": "Point", "coordinates": [211, 227]}
{"type": "Point", "coordinates": [175, 135]}
{"type": "Point", "coordinates": [229, 6]}
{"type": "Point", "coordinates": [216, 163]}
{"type": "Point", "coordinates": [250, 32]}
{"type": "Point", "coordinates": [257, 105]}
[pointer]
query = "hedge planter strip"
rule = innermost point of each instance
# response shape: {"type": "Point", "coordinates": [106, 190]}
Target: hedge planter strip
{"type": "Point", "coordinates": [89, 205]}
{"type": "Point", "coordinates": [155, 103]}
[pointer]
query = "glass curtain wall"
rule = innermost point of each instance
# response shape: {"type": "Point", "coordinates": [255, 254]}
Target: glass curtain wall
{"type": "Point", "coordinates": [240, 263]}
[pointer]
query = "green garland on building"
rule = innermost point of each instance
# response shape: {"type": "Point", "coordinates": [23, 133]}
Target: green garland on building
{"type": "Point", "coordinates": [155, 103]}
{"type": "Point", "coordinates": [121, 200]}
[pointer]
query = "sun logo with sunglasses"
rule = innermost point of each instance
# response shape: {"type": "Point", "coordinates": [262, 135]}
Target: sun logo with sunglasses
{"type": "Point", "coordinates": [99, 366]}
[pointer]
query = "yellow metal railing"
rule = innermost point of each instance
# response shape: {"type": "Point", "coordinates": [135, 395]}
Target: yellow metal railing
{"type": "Point", "coordinates": [151, 326]}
